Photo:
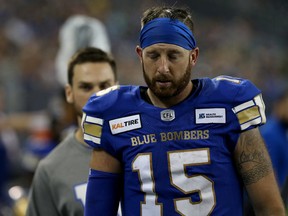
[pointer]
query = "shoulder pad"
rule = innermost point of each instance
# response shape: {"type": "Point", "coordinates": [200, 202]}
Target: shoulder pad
{"type": "Point", "coordinates": [237, 89]}
{"type": "Point", "coordinates": [105, 99]}
{"type": "Point", "coordinates": [247, 101]}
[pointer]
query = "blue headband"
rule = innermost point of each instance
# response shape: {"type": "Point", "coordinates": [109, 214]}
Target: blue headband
{"type": "Point", "coordinates": [166, 30]}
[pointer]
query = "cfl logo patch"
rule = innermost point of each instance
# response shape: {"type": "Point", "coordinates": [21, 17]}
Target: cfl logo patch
{"type": "Point", "coordinates": [167, 115]}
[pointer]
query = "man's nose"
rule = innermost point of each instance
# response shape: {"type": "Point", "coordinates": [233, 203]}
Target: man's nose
{"type": "Point", "coordinates": [163, 66]}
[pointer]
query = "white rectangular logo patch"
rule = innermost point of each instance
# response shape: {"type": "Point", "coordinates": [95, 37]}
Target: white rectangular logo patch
{"type": "Point", "coordinates": [125, 124]}
{"type": "Point", "coordinates": [210, 115]}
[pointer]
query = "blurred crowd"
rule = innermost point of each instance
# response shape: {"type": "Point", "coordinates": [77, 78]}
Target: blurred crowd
{"type": "Point", "coordinates": [237, 38]}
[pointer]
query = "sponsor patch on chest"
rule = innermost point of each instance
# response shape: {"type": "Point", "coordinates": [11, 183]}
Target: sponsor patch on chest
{"type": "Point", "coordinates": [210, 115]}
{"type": "Point", "coordinates": [124, 124]}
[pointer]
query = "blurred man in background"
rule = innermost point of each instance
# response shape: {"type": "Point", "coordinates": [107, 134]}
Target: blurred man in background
{"type": "Point", "coordinates": [60, 181]}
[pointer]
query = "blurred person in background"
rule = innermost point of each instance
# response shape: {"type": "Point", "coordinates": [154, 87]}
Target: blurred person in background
{"type": "Point", "coordinates": [60, 181]}
{"type": "Point", "coordinates": [275, 134]}
{"type": "Point", "coordinates": [35, 108]}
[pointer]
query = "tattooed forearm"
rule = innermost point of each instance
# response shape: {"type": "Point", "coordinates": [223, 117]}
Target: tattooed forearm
{"type": "Point", "coordinates": [252, 158]}
{"type": "Point", "coordinates": [256, 173]}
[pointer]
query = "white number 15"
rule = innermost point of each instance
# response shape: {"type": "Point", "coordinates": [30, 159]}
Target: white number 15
{"type": "Point", "coordinates": [177, 162]}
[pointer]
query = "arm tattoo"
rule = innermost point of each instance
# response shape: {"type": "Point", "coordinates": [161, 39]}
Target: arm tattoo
{"type": "Point", "coordinates": [253, 161]}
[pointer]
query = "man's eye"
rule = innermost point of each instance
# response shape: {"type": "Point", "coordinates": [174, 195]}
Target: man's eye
{"type": "Point", "coordinates": [173, 57]}
{"type": "Point", "coordinates": [153, 56]}
{"type": "Point", "coordinates": [86, 87]}
{"type": "Point", "coordinates": [105, 86]}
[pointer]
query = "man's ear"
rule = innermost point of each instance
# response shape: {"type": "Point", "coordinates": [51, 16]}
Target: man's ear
{"type": "Point", "coordinates": [194, 56]}
{"type": "Point", "coordinates": [69, 93]}
{"type": "Point", "coordinates": [138, 50]}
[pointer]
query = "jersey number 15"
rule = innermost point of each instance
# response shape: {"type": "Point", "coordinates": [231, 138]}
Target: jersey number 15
{"type": "Point", "coordinates": [177, 162]}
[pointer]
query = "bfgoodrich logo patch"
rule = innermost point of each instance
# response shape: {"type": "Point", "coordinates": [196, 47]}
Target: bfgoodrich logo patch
{"type": "Point", "coordinates": [210, 115]}
{"type": "Point", "coordinates": [125, 124]}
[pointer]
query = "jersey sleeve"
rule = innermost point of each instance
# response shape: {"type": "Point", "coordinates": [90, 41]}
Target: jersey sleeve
{"type": "Point", "coordinates": [248, 105]}
{"type": "Point", "coordinates": [95, 117]}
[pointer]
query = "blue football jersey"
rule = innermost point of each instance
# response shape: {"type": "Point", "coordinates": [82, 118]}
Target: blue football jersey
{"type": "Point", "coordinates": [179, 160]}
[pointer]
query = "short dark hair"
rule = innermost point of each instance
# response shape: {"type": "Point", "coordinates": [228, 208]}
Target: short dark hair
{"type": "Point", "coordinates": [90, 54]}
{"type": "Point", "coordinates": [181, 14]}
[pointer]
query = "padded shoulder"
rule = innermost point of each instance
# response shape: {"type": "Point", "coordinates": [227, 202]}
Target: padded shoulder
{"type": "Point", "coordinates": [105, 99]}
{"type": "Point", "coordinates": [238, 90]}
{"type": "Point", "coordinates": [246, 100]}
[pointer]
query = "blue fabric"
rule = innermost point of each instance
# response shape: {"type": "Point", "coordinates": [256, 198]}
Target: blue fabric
{"type": "Point", "coordinates": [103, 193]}
{"type": "Point", "coordinates": [144, 150]}
{"type": "Point", "coordinates": [275, 136]}
{"type": "Point", "coordinates": [166, 30]}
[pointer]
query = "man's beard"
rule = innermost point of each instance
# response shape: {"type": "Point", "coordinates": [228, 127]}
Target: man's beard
{"type": "Point", "coordinates": [176, 87]}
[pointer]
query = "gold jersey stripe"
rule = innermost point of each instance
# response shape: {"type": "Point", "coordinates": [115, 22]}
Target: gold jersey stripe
{"type": "Point", "coordinates": [248, 114]}
{"type": "Point", "coordinates": [251, 112]}
{"type": "Point", "coordinates": [92, 129]}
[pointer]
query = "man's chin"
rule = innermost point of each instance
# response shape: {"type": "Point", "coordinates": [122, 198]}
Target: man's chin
{"type": "Point", "coordinates": [164, 93]}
